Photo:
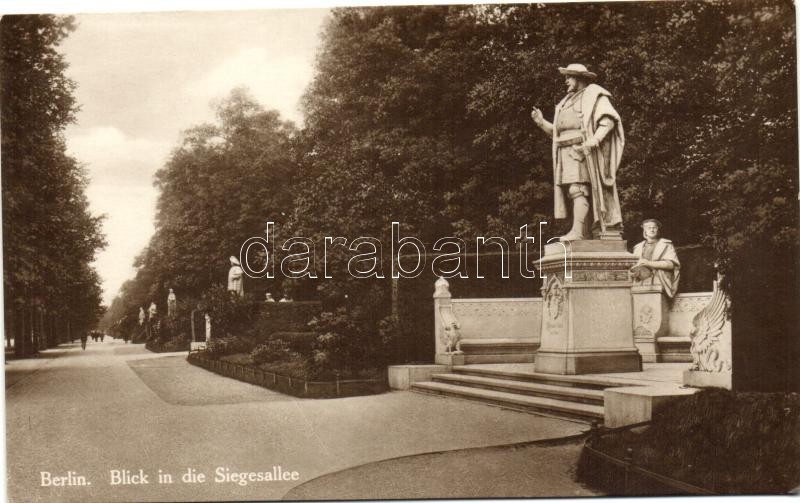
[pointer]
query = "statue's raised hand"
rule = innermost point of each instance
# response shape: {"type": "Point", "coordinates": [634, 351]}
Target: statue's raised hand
{"type": "Point", "coordinates": [536, 115]}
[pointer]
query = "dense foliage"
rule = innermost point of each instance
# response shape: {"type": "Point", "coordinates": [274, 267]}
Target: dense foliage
{"type": "Point", "coordinates": [728, 443]}
{"type": "Point", "coordinates": [49, 235]}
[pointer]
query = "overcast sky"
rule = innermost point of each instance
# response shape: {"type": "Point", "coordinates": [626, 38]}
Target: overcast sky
{"type": "Point", "coordinates": [143, 78]}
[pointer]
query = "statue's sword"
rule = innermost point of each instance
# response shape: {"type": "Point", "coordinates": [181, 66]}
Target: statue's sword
{"type": "Point", "coordinates": [598, 205]}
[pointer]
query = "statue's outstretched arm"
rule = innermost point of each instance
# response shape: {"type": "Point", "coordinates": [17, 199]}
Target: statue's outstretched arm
{"type": "Point", "coordinates": [540, 121]}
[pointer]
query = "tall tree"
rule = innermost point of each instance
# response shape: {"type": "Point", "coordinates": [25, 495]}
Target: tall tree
{"type": "Point", "coordinates": [49, 235]}
{"type": "Point", "coordinates": [220, 187]}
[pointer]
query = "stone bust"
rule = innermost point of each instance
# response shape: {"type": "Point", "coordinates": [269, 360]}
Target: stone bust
{"type": "Point", "coordinates": [658, 262]}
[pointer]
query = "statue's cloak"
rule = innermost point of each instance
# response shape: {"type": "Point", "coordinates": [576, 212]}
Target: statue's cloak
{"type": "Point", "coordinates": [664, 250]}
{"type": "Point", "coordinates": [602, 162]}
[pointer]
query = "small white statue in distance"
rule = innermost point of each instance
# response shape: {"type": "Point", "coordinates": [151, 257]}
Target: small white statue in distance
{"type": "Point", "coordinates": [235, 282]}
{"type": "Point", "coordinates": [708, 355]}
{"type": "Point", "coordinates": [172, 304]}
{"type": "Point", "coordinates": [152, 311]}
{"type": "Point", "coordinates": [658, 263]}
{"type": "Point", "coordinates": [141, 316]}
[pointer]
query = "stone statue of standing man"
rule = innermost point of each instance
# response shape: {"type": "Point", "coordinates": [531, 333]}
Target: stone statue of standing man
{"type": "Point", "coordinates": [587, 147]}
{"type": "Point", "coordinates": [172, 304]}
{"type": "Point", "coordinates": [235, 281]}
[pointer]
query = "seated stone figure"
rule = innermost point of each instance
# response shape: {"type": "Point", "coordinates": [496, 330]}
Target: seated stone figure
{"type": "Point", "coordinates": [658, 263]}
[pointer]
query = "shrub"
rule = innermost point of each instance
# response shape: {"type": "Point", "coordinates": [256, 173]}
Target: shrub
{"type": "Point", "coordinates": [300, 342]}
{"type": "Point", "coordinates": [231, 315]}
{"type": "Point", "coordinates": [271, 351]}
{"type": "Point", "coordinates": [348, 341]}
{"type": "Point", "coordinates": [222, 346]}
{"type": "Point", "coordinates": [727, 442]}
{"type": "Point", "coordinates": [282, 317]}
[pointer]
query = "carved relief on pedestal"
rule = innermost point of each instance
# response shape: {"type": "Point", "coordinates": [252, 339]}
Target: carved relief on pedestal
{"type": "Point", "coordinates": [600, 276]}
{"type": "Point", "coordinates": [555, 301]}
{"type": "Point", "coordinates": [689, 304]}
{"type": "Point", "coordinates": [482, 308]}
{"type": "Point", "coordinates": [554, 298]}
{"type": "Point", "coordinates": [646, 323]}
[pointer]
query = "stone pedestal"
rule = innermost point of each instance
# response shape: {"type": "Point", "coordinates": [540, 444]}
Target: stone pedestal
{"type": "Point", "coordinates": [636, 404]}
{"type": "Point", "coordinates": [450, 359]}
{"type": "Point", "coordinates": [650, 319]}
{"type": "Point", "coordinates": [403, 376]}
{"type": "Point", "coordinates": [586, 318]}
{"type": "Point", "coordinates": [703, 379]}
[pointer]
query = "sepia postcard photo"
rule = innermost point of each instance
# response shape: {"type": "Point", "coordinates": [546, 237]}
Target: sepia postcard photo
{"type": "Point", "coordinates": [340, 251]}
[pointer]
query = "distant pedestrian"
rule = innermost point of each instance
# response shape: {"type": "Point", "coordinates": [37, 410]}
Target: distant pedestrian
{"type": "Point", "coordinates": [84, 337]}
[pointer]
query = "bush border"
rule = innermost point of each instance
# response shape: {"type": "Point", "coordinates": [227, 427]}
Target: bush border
{"type": "Point", "coordinates": [621, 477]}
{"type": "Point", "coordinates": [290, 385]}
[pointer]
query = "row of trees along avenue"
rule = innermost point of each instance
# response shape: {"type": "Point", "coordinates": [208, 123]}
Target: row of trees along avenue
{"type": "Point", "coordinates": [51, 293]}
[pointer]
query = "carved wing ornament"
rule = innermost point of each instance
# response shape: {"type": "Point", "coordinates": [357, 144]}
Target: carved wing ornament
{"type": "Point", "coordinates": [706, 350]}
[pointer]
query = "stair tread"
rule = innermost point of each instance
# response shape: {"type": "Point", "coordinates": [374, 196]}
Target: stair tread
{"type": "Point", "coordinates": [586, 379]}
{"type": "Point", "coordinates": [525, 341]}
{"type": "Point", "coordinates": [514, 398]}
{"type": "Point", "coordinates": [523, 385]}
{"type": "Point", "coordinates": [479, 358]}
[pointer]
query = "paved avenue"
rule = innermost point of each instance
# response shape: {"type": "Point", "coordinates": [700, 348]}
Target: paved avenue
{"type": "Point", "coordinates": [105, 420]}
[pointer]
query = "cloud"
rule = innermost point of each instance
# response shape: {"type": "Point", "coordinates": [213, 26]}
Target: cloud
{"type": "Point", "coordinates": [277, 81]}
{"type": "Point", "coordinates": [111, 157]}
{"type": "Point", "coordinates": [121, 171]}
{"type": "Point", "coordinates": [128, 226]}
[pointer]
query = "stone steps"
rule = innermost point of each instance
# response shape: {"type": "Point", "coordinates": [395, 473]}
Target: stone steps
{"type": "Point", "coordinates": [581, 381]}
{"type": "Point", "coordinates": [574, 397]}
{"type": "Point", "coordinates": [499, 346]}
{"type": "Point", "coordinates": [565, 393]}
{"type": "Point", "coordinates": [499, 350]}
{"type": "Point", "coordinates": [536, 404]}
{"type": "Point", "coordinates": [499, 358]}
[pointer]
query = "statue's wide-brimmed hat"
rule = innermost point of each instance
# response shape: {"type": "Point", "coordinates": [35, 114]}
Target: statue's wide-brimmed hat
{"type": "Point", "coordinates": [577, 70]}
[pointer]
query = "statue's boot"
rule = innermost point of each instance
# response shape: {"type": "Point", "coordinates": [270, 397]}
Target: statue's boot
{"type": "Point", "coordinates": [580, 211]}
